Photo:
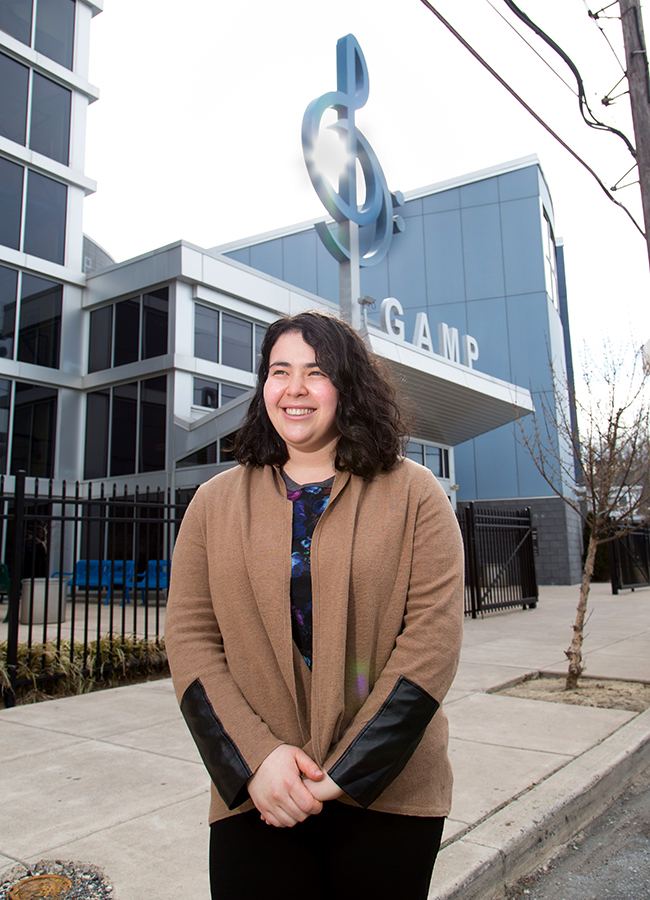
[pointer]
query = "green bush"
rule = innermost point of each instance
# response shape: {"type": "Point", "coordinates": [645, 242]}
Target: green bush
{"type": "Point", "coordinates": [52, 670]}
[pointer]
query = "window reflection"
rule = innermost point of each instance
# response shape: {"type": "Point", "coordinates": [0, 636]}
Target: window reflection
{"type": "Point", "coordinates": [124, 425]}
{"type": "Point", "coordinates": [39, 337]}
{"type": "Point", "coordinates": [54, 34]}
{"type": "Point", "coordinates": [50, 122]}
{"type": "Point", "coordinates": [11, 194]}
{"type": "Point", "coordinates": [14, 79]}
{"type": "Point", "coordinates": [34, 430]}
{"type": "Point", "coordinates": [8, 289]}
{"type": "Point", "coordinates": [16, 19]}
{"type": "Point", "coordinates": [45, 218]}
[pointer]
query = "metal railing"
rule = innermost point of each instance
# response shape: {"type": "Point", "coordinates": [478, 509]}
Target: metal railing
{"type": "Point", "coordinates": [89, 574]}
{"type": "Point", "coordinates": [89, 571]}
{"type": "Point", "coordinates": [499, 559]}
{"type": "Point", "coordinates": [629, 560]}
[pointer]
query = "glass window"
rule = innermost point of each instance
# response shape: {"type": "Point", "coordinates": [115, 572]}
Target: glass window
{"type": "Point", "coordinates": [5, 399]}
{"type": "Point", "coordinates": [39, 336]}
{"type": "Point", "coordinates": [230, 391]}
{"type": "Point", "coordinates": [50, 124]}
{"type": "Point", "coordinates": [260, 331]}
{"type": "Point", "coordinates": [414, 452]}
{"type": "Point", "coordinates": [153, 409]}
{"type": "Point", "coordinates": [97, 419]}
{"type": "Point", "coordinates": [101, 335]}
{"type": "Point", "coordinates": [206, 393]}
{"type": "Point", "coordinates": [16, 19]}
{"type": "Point", "coordinates": [34, 430]}
{"type": "Point", "coordinates": [433, 460]}
{"type": "Point", "coordinates": [13, 99]}
{"type": "Point", "coordinates": [11, 198]}
{"type": "Point", "coordinates": [127, 332]}
{"type": "Point", "coordinates": [123, 438]}
{"type": "Point", "coordinates": [45, 218]}
{"type": "Point", "coordinates": [236, 342]}
{"type": "Point", "coordinates": [8, 289]}
{"type": "Point", "coordinates": [55, 30]}
{"type": "Point", "coordinates": [206, 333]}
{"type": "Point", "coordinates": [204, 457]}
{"type": "Point", "coordinates": [154, 323]}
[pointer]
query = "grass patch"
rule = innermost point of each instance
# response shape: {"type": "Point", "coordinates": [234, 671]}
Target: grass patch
{"type": "Point", "coordinates": [65, 669]}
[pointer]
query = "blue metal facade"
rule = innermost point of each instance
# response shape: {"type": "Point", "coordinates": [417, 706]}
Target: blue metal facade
{"type": "Point", "coordinates": [472, 256]}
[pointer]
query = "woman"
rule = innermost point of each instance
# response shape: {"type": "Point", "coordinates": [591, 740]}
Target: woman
{"type": "Point", "coordinates": [313, 628]}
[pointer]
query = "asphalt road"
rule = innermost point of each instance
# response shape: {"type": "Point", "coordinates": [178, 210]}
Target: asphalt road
{"type": "Point", "coordinates": [609, 860]}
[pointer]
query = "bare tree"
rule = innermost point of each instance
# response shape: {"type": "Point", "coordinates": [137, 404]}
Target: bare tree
{"type": "Point", "coordinates": [598, 460]}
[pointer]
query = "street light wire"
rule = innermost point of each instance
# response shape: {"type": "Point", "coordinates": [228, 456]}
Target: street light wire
{"type": "Point", "coordinates": [592, 122]}
{"type": "Point", "coordinates": [529, 109]}
{"type": "Point", "coordinates": [536, 52]}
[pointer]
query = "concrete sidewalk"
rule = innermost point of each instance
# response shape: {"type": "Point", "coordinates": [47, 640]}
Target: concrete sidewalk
{"type": "Point", "coordinates": [113, 778]}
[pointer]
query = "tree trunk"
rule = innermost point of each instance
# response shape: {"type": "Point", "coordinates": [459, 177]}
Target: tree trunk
{"type": "Point", "coordinates": [574, 653]}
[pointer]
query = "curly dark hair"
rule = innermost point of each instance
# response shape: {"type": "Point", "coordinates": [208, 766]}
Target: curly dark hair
{"type": "Point", "coordinates": [373, 429]}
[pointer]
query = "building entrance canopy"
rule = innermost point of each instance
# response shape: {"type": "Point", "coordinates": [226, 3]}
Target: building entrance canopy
{"type": "Point", "coordinates": [452, 402]}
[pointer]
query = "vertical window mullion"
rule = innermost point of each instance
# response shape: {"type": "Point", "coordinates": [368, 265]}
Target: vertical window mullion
{"type": "Point", "coordinates": [19, 293]}
{"type": "Point", "coordinates": [141, 334]}
{"type": "Point", "coordinates": [138, 420]}
{"type": "Point", "coordinates": [23, 208]}
{"type": "Point", "coordinates": [28, 122]}
{"type": "Point", "coordinates": [10, 425]}
{"type": "Point", "coordinates": [110, 433]}
{"type": "Point", "coordinates": [33, 34]}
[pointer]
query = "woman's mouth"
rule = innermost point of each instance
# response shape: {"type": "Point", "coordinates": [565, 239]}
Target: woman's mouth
{"type": "Point", "coordinates": [298, 411]}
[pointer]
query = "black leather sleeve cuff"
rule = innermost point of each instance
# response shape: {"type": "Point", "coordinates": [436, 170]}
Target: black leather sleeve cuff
{"type": "Point", "coordinates": [386, 743]}
{"type": "Point", "coordinates": [222, 759]}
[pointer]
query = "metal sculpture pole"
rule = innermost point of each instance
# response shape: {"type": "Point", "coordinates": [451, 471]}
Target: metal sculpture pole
{"type": "Point", "coordinates": [361, 235]}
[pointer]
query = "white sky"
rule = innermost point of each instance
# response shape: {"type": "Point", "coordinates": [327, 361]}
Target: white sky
{"type": "Point", "coordinates": [196, 134]}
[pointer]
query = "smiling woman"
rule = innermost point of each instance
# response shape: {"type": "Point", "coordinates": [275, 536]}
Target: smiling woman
{"type": "Point", "coordinates": [333, 565]}
{"type": "Point", "coordinates": [301, 404]}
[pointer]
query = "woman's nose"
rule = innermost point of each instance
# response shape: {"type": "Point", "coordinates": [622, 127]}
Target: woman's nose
{"type": "Point", "coordinates": [296, 386]}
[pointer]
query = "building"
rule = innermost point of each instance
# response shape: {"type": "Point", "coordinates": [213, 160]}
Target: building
{"type": "Point", "coordinates": [45, 94]}
{"type": "Point", "coordinates": [478, 255]}
{"type": "Point", "coordinates": [138, 372]}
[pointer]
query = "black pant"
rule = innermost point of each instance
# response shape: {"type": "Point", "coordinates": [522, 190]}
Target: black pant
{"type": "Point", "coordinates": [343, 853]}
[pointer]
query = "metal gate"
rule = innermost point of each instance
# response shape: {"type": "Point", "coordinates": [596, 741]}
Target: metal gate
{"type": "Point", "coordinates": [499, 559]}
{"type": "Point", "coordinates": [629, 560]}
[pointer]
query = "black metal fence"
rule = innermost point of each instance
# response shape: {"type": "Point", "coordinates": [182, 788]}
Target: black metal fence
{"type": "Point", "coordinates": [86, 573]}
{"type": "Point", "coordinates": [629, 560]}
{"type": "Point", "coordinates": [499, 559]}
{"type": "Point", "coordinates": [90, 569]}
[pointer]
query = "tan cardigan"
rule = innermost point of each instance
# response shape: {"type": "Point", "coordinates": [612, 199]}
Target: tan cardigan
{"type": "Point", "coordinates": [387, 580]}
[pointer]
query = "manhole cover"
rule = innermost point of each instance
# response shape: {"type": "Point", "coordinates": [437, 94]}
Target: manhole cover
{"type": "Point", "coordinates": [40, 887]}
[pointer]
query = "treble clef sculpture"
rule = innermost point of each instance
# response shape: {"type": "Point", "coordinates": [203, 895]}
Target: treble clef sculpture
{"type": "Point", "coordinates": [375, 217]}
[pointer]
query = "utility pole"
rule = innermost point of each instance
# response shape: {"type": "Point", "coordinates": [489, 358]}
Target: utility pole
{"type": "Point", "coordinates": [639, 84]}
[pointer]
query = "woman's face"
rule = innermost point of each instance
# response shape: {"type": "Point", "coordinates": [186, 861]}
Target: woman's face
{"type": "Point", "coordinates": [300, 399]}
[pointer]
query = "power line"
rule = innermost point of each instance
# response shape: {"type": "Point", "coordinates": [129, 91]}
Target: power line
{"type": "Point", "coordinates": [595, 16]}
{"type": "Point", "coordinates": [536, 52]}
{"type": "Point", "coordinates": [582, 97]}
{"type": "Point", "coordinates": [529, 109]}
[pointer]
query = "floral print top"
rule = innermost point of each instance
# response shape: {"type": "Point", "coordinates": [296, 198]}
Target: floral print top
{"type": "Point", "coordinates": [309, 503]}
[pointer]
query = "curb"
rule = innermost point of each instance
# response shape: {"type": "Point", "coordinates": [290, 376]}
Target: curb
{"type": "Point", "coordinates": [524, 834]}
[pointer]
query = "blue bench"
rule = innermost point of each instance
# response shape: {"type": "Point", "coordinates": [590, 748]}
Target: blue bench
{"type": "Point", "coordinates": [96, 574]}
{"type": "Point", "coordinates": [118, 573]}
{"type": "Point", "coordinates": [156, 578]}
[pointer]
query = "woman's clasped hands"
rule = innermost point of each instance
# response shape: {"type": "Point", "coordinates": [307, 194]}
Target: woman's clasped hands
{"type": "Point", "coordinates": [288, 787]}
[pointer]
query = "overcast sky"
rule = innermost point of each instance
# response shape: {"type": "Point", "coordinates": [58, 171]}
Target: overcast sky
{"type": "Point", "coordinates": [196, 134]}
